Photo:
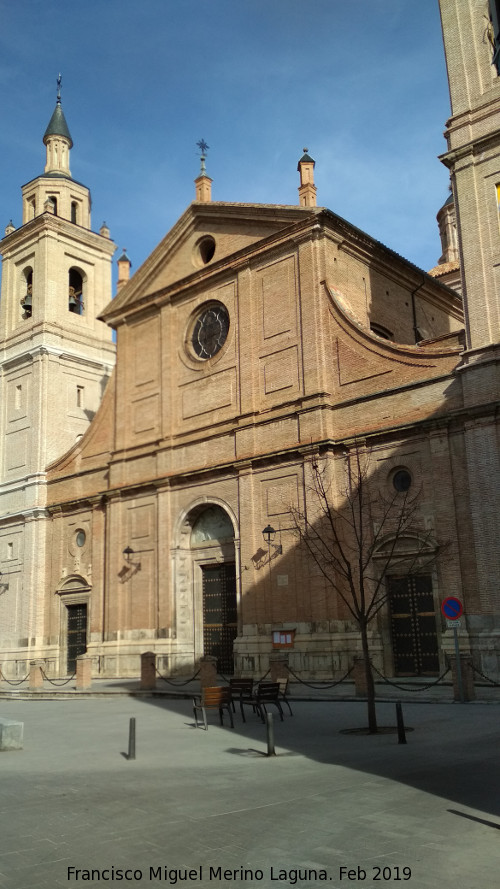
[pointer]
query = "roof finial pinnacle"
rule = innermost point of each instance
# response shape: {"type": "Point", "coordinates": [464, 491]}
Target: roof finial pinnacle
{"type": "Point", "coordinates": [59, 80]}
{"type": "Point", "coordinates": [202, 145]}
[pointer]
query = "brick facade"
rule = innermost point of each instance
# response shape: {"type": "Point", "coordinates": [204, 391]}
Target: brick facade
{"type": "Point", "coordinates": [299, 373]}
{"type": "Point", "coordinates": [255, 342]}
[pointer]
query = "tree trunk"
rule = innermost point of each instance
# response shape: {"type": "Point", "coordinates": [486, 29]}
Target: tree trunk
{"type": "Point", "coordinates": [370, 685]}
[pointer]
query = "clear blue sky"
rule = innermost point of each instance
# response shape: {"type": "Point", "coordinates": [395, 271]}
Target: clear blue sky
{"type": "Point", "coordinates": [360, 83]}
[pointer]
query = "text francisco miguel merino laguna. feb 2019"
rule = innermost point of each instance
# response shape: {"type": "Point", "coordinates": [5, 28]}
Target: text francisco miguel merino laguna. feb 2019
{"type": "Point", "coordinates": [290, 875]}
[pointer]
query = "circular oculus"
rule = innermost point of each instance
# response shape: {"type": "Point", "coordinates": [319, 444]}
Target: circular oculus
{"type": "Point", "coordinates": [210, 331]}
{"type": "Point", "coordinates": [401, 480]}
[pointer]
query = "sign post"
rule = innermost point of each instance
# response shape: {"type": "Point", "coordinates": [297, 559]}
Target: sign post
{"type": "Point", "coordinates": [453, 609]}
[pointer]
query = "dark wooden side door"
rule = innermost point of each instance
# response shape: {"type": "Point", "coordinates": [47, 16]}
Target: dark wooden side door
{"type": "Point", "coordinates": [220, 623]}
{"type": "Point", "coordinates": [77, 634]}
{"type": "Point", "coordinates": [413, 625]}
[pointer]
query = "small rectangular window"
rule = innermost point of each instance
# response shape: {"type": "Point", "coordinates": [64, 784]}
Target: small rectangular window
{"type": "Point", "coordinates": [79, 395]}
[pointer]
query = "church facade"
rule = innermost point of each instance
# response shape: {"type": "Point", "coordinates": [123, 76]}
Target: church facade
{"type": "Point", "coordinates": [256, 344]}
{"type": "Point", "coordinates": [232, 372]}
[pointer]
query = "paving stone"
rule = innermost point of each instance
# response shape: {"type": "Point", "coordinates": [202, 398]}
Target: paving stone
{"type": "Point", "coordinates": [338, 801]}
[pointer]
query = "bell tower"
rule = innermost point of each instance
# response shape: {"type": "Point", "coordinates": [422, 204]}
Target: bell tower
{"type": "Point", "coordinates": [471, 34]}
{"type": "Point", "coordinates": [56, 270]}
{"type": "Point", "coordinates": [55, 360]}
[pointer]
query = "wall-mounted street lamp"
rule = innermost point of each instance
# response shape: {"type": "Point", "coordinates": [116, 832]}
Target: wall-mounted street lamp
{"type": "Point", "coordinates": [131, 567]}
{"type": "Point", "coordinates": [128, 552]}
{"type": "Point", "coordinates": [269, 533]}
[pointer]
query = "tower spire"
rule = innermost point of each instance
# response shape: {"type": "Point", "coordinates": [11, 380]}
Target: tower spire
{"type": "Point", "coordinates": [307, 188]}
{"type": "Point", "coordinates": [57, 139]}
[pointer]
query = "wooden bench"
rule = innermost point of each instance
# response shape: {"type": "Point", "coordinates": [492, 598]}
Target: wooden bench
{"type": "Point", "coordinates": [267, 693]}
{"type": "Point", "coordinates": [213, 698]}
{"type": "Point", "coordinates": [283, 684]}
{"type": "Point", "coordinates": [241, 690]}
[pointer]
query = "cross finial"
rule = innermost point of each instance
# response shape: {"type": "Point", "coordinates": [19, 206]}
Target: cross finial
{"type": "Point", "coordinates": [59, 79]}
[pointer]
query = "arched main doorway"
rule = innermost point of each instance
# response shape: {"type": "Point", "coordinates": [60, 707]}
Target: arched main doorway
{"type": "Point", "coordinates": [208, 541]}
{"type": "Point", "coordinates": [212, 538]}
{"type": "Point", "coordinates": [74, 598]}
{"type": "Point", "coordinates": [409, 567]}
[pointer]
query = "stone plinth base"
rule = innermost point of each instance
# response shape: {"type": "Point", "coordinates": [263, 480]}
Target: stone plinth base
{"type": "Point", "coordinates": [83, 672]}
{"type": "Point", "coordinates": [148, 670]}
{"type": "Point", "coordinates": [278, 666]}
{"type": "Point", "coordinates": [359, 676]}
{"type": "Point", "coordinates": [208, 671]}
{"type": "Point", "coordinates": [11, 734]}
{"type": "Point", "coordinates": [36, 676]}
{"type": "Point", "coordinates": [469, 692]}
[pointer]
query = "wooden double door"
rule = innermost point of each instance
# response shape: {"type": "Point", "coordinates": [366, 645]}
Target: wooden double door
{"type": "Point", "coordinates": [77, 634]}
{"type": "Point", "coordinates": [413, 625]}
{"type": "Point", "coordinates": [220, 620]}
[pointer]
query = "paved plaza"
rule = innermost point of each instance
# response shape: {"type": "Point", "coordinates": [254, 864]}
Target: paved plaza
{"type": "Point", "coordinates": [210, 809]}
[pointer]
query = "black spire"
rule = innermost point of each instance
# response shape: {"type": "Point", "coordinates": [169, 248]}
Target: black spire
{"type": "Point", "coordinates": [57, 123]}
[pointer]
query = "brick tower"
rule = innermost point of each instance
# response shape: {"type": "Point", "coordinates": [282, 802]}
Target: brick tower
{"type": "Point", "coordinates": [55, 360]}
{"type": "Point", "coordinates": [473, 157]}
{"type": "Point", "coordinates": [471, 33]}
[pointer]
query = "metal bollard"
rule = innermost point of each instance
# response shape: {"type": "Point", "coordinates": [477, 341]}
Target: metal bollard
{"type": "Point", "coordinates": [131, 738]}
{"type": "Point", "coordinates": [270, 735]}
{"type": "Point", "coordinates": [400, 722]}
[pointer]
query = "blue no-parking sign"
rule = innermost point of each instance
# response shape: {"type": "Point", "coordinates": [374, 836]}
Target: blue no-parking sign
{"type": "Point", "coordinates": [452, 608]}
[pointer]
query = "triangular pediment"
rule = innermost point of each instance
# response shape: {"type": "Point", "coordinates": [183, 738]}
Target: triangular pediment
{"type": "Point", "coordinates": [203, 238]}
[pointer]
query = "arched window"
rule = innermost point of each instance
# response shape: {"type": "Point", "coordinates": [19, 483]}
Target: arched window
{"type": "Point", "coordinates": [75, 295]}
{"type": "Point", "coordinates": [213, 525]}
{"type": "Point", "coordinates": [27, 297]}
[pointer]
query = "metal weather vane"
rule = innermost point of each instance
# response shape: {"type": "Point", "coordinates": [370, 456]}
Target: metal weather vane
{"type": "Point", "coordinates": [202, 145]}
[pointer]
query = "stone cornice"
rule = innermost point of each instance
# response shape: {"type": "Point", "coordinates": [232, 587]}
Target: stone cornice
{"type": "Point", "coordinates": [246, 461]}
{"type": "Point", "coordinates": [47, 224]}
{"type": "Point", "coordinates": [28, 356]}
{"type": "Point", "coordinates": [30, 514]}
{"type": "Point", "coordinates": [469, 149]}
{"type": "Point", "coordinates": [449, 420]}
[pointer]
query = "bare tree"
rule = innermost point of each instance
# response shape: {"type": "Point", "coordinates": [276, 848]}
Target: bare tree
{"type": "Point", "coordinates": [355, 536]}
